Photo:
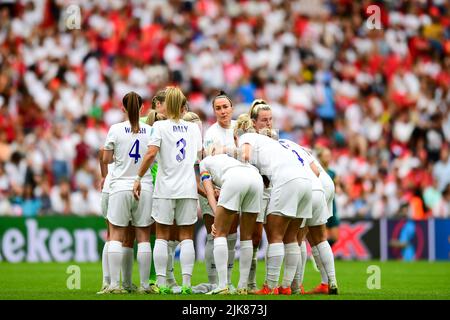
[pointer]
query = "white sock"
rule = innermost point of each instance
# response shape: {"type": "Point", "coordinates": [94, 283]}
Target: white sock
{"type": "Point", "coordinates": [160, 257]}
{"type": "Point", "coordinates": [245, 262]}
{"type": "Point", "coordinates": [291, 261]}
{"type": "Point", "coordinates": [144, 259]}
{"type": "Point", "coordinates": [252, 273]}
{"type": "Point", "coordinates": [323, 273]}
{"type": "Point", "coordinates": [326, 255]}
{"type": "Point", "coordinates": [275, 255]}
{"type": "Point", "coordinates": [115, 255]}
{"type": "Point", "coordinates": [172, 246]}
{"type": "Point", "coordinates": [127, 266]}
{"type": "Point", "coordinates": [187, 259]}
{"type": "Point", "coordinates": [231, 241]}
{"type": "Point", "coordinates": [221, 259]}
{"type": "Point", "coordinates": [209, 259]}
{"type": "Point", "coordinates": [105, 265]}
{"type": "Point", "coordinates": [299, 273]}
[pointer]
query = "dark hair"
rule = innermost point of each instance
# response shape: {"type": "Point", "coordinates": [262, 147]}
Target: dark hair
{"type": "Point", "coordinates": [159, 96]}
{"type": "Point", "coordinates": [132, 103]}
{"type": "Point", "coordinates": [221, 94]}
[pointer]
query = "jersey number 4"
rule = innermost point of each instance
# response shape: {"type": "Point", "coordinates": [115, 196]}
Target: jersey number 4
{"type": "Point", "coordinates": [284, 145]}
{"type": "Point", "coordinates": [134, 152]}
{"type": "Point", "coordinates": [182, 152]}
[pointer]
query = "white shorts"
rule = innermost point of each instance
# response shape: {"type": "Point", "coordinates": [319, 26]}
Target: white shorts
{"type": "Point", "coordinates": [320, 213]}
{"type": "Point", "coordinates": [123, 208]}
{"type": "Point", "coordinates": [328, 186]}
{"type": "Point", "coordinates": [292, 199]}
{"type": "Point", "coordinates": [262, 214]}
{"type": "Point", "coordinates": [181, 211]}
{"type": "Point", "coordinates": [241, 190]}
{"type": "Point", "coordinates": [104, 204]}
{"type": "Point", "coordinates": [205, 207]}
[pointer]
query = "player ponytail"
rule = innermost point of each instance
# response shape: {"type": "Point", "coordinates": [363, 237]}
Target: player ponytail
{"type": "Point", "coordinates": [257, 106]}
{"type": "Point", "coordinates": [175, 102]}
{"type": "Point", "coordinates": [243, 125]}
{"type": "Point", "coordinates": [132, 103]}
{"type": "Point", "coordinates": [154, 116]}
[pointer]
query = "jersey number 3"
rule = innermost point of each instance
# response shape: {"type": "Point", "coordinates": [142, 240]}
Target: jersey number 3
{"type": "Point", "coordinates": [134, 152]}
{"type": "Point", "coordinates": [182, 154]}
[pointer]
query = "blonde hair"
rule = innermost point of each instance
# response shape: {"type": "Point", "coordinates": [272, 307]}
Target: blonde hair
{"type": "Point", "coordinates": [191, 117]}
{"type": "Point", "coordinates": [154, 116]}
{"type": "Point", "coordinates": [175, 101]}
{"type": "Point", "coordinates": [159, 96]}
{"type": "Point", "coordinates": [243, 125]}
{"type": "Point", "coordinates": [257, 106]}
{"type": "Point", "coordinates": [269, 133]}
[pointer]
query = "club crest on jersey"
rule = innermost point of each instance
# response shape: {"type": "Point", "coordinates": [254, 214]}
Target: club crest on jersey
{"type": "Point", "coordinates": [141, 130]}
{"type": "Point", "coordinates": [180, 128]}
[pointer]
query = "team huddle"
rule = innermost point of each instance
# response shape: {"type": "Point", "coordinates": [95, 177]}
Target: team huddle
{"type": "Point", "coordinates": [158, 169]}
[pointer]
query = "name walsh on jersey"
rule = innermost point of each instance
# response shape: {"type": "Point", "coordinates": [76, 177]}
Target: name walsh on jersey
{"type": "Point", "coordinates": [141, 130]}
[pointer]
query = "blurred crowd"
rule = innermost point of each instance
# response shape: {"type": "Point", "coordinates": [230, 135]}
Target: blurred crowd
{"type": "Point", "coordinates": [378, 98]}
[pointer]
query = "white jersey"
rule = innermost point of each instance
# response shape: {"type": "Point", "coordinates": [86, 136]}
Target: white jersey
{"type": "Point", "coordinates": [179, 143]}
{"type": "Point", "coordinates": [300, 153]}
{"type": "Point", "coordinates": [215, 167]}
{"type": "Point", "coordinates": [272, 159]}
{"type": "Point", "coordinates": [216, 135]}
{"type": "Point", "coordinates": [107, 183]}
{"type": "Point", "coordinates": [129, 150]}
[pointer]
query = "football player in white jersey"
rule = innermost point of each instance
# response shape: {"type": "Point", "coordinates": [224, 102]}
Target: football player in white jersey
{"type": "Point", "coordinates": [106, 177]}
{"type": "Point", "coordinates": [289, 204]}
{"type": "Point", "coordinates": [219, 135]}
{"type": "Point", "coordinates": [315, 225]}
{"type": "Point", "coordinates": [125, 144]}
{"type": "Point", "coordinates": [241, 188]}
{"type": "Point", "coordinates": [261, 116]}
{"type": "Point", "coordinates": [178, 145]}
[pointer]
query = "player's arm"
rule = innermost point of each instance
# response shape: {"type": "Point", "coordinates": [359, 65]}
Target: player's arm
{"type": "Point", "coordinates": [108, 157]}
{"type": "Point", "coordinates": [209, 188]}
{"type": "Point", "coordinates": [200, 189]}
{"type": "Point", "coordinates": [103, 168]}
{"type": "Point", "coordinates": [314, 168]}
{"type": "Point", "coordinates": [148, 159]}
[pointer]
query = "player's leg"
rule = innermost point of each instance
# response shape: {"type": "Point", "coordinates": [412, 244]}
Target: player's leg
{"type": "Point", "coordinates": [256, 240]}
{"type": "Point", "coordinates": [297, 284]}
{"type": "Point", "coordinates": [247, 226]}
{"type": "Point", "coordinates": [142, 220]}
{"type": "Point", "coordinates": [128, 259]}
{"type": "Point", "coordinates": [186, 217]}
{"type": "Point", "coordinates": [144, 258]}
{"type": "Point", "coordinates": [291, 256]}
{"type": "Point", "coordinates": [208, 220]}
{"type": "Point", "coordinates": [222, 222]}
{"type": "Point", "coordinates": [322, 288]}
{"type": "Point", "coordinates": [172, 246]}
{"type": "Point", "coordinates": [319, 239]}
{"type": "Point", "coordinates": [119, 205]}
{"type": "Point", "coordinates": [163, 211]}
{"type": "Point", "coordinates": [105, 266]}
{"type": "Point", "coordinates": [231, 242]}
{"type": "Point", "coordinates": [160, 255]}
{"type": "Point", "coordinates": [187, 256]}
{"type": "Point", "coordinates": [276, 227]}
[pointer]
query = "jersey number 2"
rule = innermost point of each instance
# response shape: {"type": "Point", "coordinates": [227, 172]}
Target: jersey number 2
{"type": "Point", "coordinates": [134, 152]}
{"type": "Point", "coordinates": [182, 154]}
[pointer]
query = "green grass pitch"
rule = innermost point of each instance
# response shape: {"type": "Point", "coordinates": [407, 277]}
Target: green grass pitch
{"type": "Point", "coordinates": [399, 280]}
